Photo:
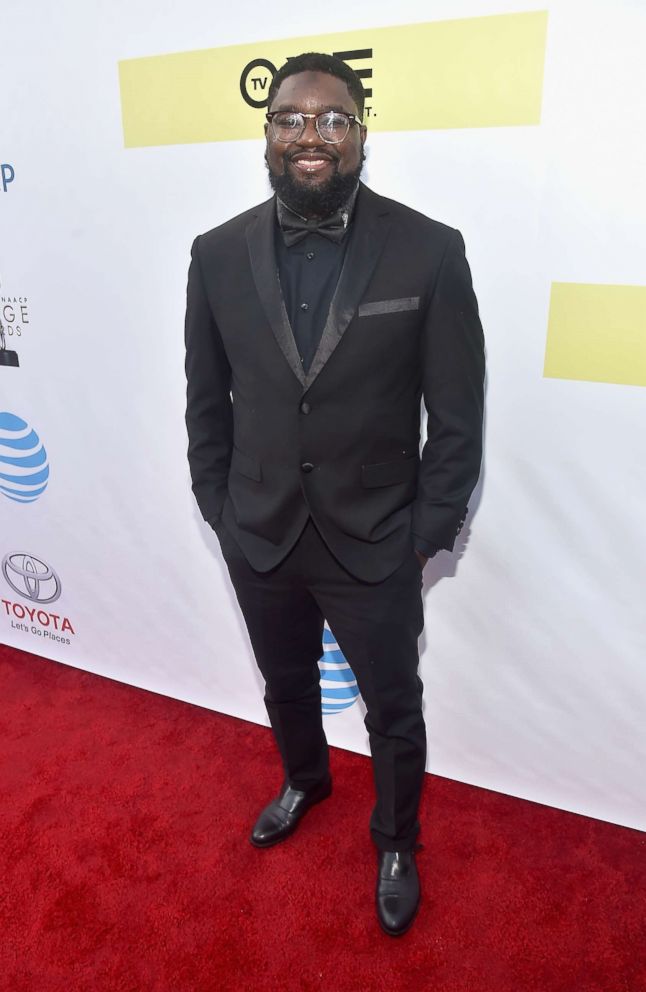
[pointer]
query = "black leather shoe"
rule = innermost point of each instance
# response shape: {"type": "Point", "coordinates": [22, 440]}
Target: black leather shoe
{"type": "Point", "coordinates": [280, 819]}
{"type": "Point", "coordinates": [398, 891]}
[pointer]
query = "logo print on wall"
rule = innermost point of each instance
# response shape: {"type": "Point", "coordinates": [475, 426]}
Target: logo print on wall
{"type": "Point", "coordinates": [24, 469]}
{"type": "Point", "coordinates": [488, 70]}
{"type": "Point", "coordinates": [339, 688]}
{"type": "Point", "coordinates": [257, 75]}
{"type": "Point", "coordinates": [31, 577]}
{"type": "Point", "coordinates": [7, 356]}
{"type": "Point", "coordinates": [7, 175]}
{"type": "Point", "coordinates": [14, 315]}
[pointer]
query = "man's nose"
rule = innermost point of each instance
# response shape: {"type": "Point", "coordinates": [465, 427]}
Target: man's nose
{"type": "Point", "coordinates": [310, 135]}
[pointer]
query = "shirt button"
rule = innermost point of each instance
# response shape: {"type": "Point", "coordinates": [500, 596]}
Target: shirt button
{"type": "Point", "coordinates": [310, 255]}
{"type": "Point", "coordinates": [305, 407]}
{"type": "Point", "coordinates": [306, 467]}
{"type": "Point", "coordinates": [305, 306]}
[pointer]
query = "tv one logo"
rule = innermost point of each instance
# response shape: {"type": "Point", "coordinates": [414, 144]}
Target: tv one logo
{"type": "Point", "coordinates": [256, 77]}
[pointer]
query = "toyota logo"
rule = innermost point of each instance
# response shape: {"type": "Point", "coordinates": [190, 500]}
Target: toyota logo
{"type": "Point", "coordinates": [31, 578]}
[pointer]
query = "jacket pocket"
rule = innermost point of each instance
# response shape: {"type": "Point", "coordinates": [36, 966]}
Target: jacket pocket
{"type": "Point", "coordinates": [246, 465]}
{"type": "Point", "coordinates": [389, 473]}
{"type": "Point", "coordinates": [389, 306]}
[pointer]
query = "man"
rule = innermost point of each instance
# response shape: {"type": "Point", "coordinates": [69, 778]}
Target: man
{"type": "Point", "coordinates": [315, 324]}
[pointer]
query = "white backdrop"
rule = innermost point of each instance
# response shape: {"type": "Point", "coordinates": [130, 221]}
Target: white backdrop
{"type": "Point", "coordinates": [534, 645]}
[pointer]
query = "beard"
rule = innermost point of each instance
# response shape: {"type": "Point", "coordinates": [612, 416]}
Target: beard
{"type": "Point", "coordinates": [312, 199]}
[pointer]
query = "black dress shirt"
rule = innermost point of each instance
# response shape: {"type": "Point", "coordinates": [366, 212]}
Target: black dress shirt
{"type": "Point", "coordinates": [309, 272]}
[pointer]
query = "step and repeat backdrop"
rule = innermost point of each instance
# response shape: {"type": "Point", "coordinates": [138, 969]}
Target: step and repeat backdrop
{"type": "Point", "coordinates": [127, 130]}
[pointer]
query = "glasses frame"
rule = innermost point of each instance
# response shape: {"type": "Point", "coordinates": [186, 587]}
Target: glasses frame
{"type": "Point", "coordinates": [352, 119]}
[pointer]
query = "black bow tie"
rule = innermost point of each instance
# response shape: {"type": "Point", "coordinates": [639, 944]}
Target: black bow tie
{"type": "Point", "coordinates": [296, 228]}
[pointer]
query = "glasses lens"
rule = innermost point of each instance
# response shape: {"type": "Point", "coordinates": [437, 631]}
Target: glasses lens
{"type": "Point", "coordinates": [333, 127]}
{"type": "Point", "coordinates": [287, 126]}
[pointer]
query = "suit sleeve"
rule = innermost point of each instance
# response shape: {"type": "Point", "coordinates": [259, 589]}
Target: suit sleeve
{"type": "Point", "coordinates": [209, 419]}
{"type": "Point", "coordinates": [453, 367]}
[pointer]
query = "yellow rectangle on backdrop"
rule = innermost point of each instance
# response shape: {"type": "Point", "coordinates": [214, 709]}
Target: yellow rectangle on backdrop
{"type": "Point", "coordinates": [472, 72]}
{"type": "Point", "coordinates": [597, 333]}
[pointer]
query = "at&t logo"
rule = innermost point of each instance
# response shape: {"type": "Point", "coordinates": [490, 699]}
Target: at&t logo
{"type": "Point", "coordinates": [339, 688]}
{"type": "Point", "coordinates": [24, 469]}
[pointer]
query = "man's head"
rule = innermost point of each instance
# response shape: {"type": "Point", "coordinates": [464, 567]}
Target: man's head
{"type": "Point", "coordinates": [312, 175]}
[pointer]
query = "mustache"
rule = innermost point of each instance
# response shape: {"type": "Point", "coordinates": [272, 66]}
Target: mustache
{"type": "Point", "coordinates": [313, 154]}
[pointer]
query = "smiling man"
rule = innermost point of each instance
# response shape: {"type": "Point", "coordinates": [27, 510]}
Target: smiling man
{"type": "Point", "coordinates": [315, 325]}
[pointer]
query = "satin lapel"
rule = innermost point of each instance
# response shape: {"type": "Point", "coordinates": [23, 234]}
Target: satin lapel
{"type": "Point", "coordinates": [371, 226]}
{"type": "Point", "coordinates": [264, 266]}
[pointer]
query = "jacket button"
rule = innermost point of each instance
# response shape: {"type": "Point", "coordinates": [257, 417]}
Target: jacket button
{"type": "Point", "coordinates": [306, 467]}
{"type": "Point", "coordinates": [305, 407]}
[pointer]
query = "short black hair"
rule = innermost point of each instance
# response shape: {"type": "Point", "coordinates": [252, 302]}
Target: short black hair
{"type": "Point", "coordinates": [318, 62]}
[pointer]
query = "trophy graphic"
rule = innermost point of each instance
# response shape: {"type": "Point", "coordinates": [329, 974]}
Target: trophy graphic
{"type": "Point", "coordinates": [7, 357]}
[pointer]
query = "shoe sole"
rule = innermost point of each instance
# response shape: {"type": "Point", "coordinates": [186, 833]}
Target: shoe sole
{"type": "Point", "coordinates": [287, 833]}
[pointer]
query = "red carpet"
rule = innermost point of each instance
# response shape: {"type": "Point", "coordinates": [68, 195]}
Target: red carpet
{"type": "Point", "coordinates": [126, 865]}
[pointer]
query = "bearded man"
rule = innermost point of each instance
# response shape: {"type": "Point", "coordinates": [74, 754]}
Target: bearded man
{"type": "Point", "coordinates": [316, 323]}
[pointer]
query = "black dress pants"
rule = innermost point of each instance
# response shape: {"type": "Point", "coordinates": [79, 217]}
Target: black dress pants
{"type": "Point", "coordinates": [377, 626]}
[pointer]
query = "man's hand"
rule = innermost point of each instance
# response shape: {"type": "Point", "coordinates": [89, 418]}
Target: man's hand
{"type": "Point", "coordinates": [421, 558]}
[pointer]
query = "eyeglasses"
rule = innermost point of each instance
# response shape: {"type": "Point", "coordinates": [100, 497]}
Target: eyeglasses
{"type": "Point", "coordinates": [331, 126]}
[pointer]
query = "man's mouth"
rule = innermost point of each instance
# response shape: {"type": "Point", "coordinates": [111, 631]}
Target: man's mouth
{"type": "Point", "coordinates": [310, 163]}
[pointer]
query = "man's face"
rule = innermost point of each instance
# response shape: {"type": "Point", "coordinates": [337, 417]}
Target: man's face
{"type": "Point", "coordinates": [309, 174]}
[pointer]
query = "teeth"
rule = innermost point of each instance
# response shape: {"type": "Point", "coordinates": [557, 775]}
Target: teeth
{"type": "Point", "coordinates": [310, 162]}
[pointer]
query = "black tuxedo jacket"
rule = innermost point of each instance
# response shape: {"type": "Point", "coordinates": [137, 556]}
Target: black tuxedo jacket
{"type": "Point", "coordinates": [269, 444]}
